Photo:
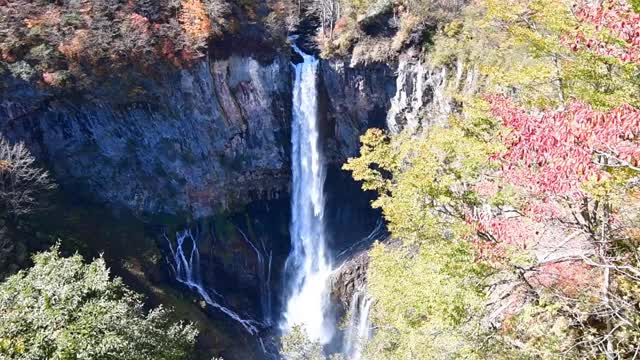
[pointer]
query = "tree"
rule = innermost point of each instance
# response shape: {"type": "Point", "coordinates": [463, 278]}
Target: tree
{"type": "Point", "coordinates": [576, 169]}
{"type": "Point", "coordinates": [20, 180]}
{"type": "Point", "coordinates": [556, 152]}
{"type": "Point", "coordinates": [296, 345]}
{"type": "Point", "coordinates": [429, 303]}
{"type": "Point", "coordinates": [578, 166]}
{"type": "Point", "coordinates": [615, 20]}
{"type": "Point", "coordinates": [74, 43]}
{"type": "Point", "coordinates": [195, 23]}
{"type": "Point", "coordinates": [62, 308]}
{"type": "Point", "coordinates": [429, 289]}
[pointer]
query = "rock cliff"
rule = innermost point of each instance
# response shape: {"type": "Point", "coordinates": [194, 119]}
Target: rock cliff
{"type": "Point", "coordinates": [190, 142]}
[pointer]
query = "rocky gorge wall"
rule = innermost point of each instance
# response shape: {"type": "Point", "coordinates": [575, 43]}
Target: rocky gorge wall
{"type": "Point", "coordinates": [196, 141]}
{"type": "Point", "coordinates": [208, 146]}
{"type": "Point", "coordinates": [199, 140]}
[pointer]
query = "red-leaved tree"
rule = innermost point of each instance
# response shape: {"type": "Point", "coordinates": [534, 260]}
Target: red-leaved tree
{"type": "Point", "coordinates": [555, 152]}
{"type": "Point", "coordinates": [616, 30]}
{"type": "Point", "coordinates": [551, 157]}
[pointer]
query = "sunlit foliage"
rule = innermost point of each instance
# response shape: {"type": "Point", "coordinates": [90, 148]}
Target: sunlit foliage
{"type": "Point", "coordinates": [551, 160]}
{"type": "Point", "coordinates": [62, 308]}
{"type": "Point", "coordinates": [70, 42]}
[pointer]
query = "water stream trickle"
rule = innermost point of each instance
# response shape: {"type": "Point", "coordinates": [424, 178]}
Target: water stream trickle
{"type": "Point", "coordinates": [186, 267]}
{"type": "Point", "coordinates": [264, 258]}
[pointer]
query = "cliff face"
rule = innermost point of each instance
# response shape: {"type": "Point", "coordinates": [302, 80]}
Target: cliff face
{"type": "Point", "coordinates": [202, 138]}
{"type": "Point", "coordinates": [423, 92]}
{"type": "Point", "coordinates": [355, 99]}
{"type": "Point", "coordinates": [193, 141]}
{"type": "Point", "coordinates": [421, 99]}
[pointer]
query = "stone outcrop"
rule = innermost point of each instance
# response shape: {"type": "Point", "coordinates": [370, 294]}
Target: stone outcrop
{"type": "Point", "coordinates": [350, 277]}
{"type": "Point", "coordinates": [423, 92]}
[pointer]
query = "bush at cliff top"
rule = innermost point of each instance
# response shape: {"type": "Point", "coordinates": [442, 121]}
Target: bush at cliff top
{"type": "Point", "coordinates": [62, 308]}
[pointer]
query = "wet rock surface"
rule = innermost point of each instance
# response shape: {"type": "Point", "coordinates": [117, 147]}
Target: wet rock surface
{"type": "Point", "coordinates": [351, 276]}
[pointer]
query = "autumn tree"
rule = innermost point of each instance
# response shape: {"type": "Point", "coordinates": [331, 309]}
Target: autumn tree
{"type": "Point", "coordinates": [576, 169]}
{"type": "Point", "coordinates": [71, 43]}
{"type": "Point", "coordinates": [23, 186]}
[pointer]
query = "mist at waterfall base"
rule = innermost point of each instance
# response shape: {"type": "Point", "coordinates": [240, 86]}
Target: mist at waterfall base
{"type": "Point", "coordinates": [308, 264]}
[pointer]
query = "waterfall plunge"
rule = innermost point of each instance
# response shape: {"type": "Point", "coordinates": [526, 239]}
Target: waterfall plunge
{"type": "Point", "coordinates": [308, 264]}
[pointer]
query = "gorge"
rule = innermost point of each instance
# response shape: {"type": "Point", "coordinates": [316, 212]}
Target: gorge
{"type": "Point", "coordinates": [179, 159]}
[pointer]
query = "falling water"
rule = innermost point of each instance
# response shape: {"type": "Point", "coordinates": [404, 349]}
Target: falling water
{"type": "Point", "coordinates": [187, 271]}
{"type": "Point", "coordinates": [264, 259]}
{"type": "Point", "coordinates": [308, 263]}
{"type": "Point", "coordinates": [359, 330]}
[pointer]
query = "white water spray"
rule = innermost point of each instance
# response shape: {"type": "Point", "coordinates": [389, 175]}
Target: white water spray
{"type": "Point", "coordinates": [187, 271]}
{"type": "Point", "coordinates": [308, 263]}
{"type": "Point", "coordinates": [359, 330]}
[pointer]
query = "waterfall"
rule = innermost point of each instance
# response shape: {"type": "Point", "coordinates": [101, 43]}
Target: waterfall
{"type": "Point", "coordinates": [308, 265]}
{"type": "Point", "coordinates": [359, 330]}
{"type": "Point", "coordinates": [187, 271]}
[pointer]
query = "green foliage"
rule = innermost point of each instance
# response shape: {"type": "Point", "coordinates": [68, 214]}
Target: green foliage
{"type": "Point", "coordinates": [412, 20]}
{"type": "Point", "coordinates": [428, 303]}
{"type": "Point", "coordinates": [424, 184]}
{"type": "Point", "coordinates": [542, 331]}
{"type": "Point", "coordinates": [91, 40]}
{"type": "Point", "coordinates": [518, 47]}
{"type": "Point", "coordinates": [296, 345]}
{"type": "Point", "coordinates": [22, 70]}
{"type": "Point", "coordinates": [430, 290]}
{"type": "Point", "coordinates": [62, 308]}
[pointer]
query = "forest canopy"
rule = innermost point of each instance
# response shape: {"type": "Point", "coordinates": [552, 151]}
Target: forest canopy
{"type": "Point", "coordinates": [72, 43]}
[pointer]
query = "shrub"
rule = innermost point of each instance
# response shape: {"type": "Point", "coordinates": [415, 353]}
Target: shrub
{"type": "Point", "coordinates": [20, 180]}
{"type": "Point", "coordinates": [62, 308]}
